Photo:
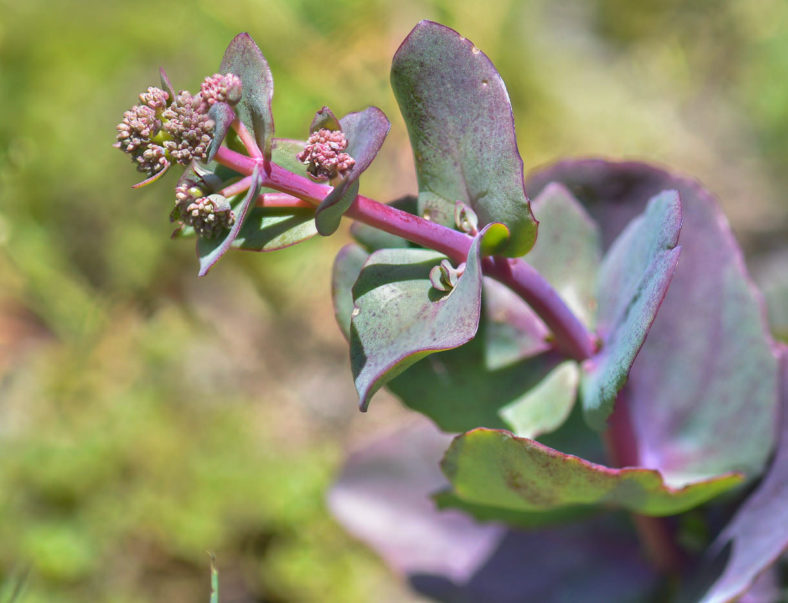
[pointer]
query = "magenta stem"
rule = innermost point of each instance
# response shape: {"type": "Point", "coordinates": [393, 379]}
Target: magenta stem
{"type": "Point", "coordinates": [247, 139]}
{"type": "Point", "coordinates": [571, 336]}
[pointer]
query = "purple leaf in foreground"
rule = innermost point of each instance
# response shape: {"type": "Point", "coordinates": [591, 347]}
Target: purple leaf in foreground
{"type": "Point", "coordinates": [493, 467]}
{"type": "Point", "coordinates": [460, 123]}
{"type": "Point", "coordinates": [382, 498]}
{"type": "Point", "coordinates": [399, 318]}
{"type": "Point", "coordinates": [703, 389]}
{"type": "Point", "coordinates": [759, 530]}
{"type": "Point", "coordinates": [365, 132]}
{"type": "Point", "coordinates": [223, 115]}
{"type": "Point", "coordinates": [244, 59]}
{"type": "Point", "coordinates": [633, 281]}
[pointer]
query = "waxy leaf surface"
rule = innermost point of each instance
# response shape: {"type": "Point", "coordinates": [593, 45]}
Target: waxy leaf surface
{"type": "Point", "coordinates": [210, 250]}
{"type": "Point", "coordinates": [633, 281]}
{"type": "Point", "coordinates": [759, 530]}
{"type": "Point", "coordinates": [347, 266]}
{"type": "Point", "coordinates": [273, 228]}
{"type": "Point", "coordinates": [223, 115]}
{"type": "Point", "coordinates": [493, 467]}
{"type": "Point", "coordinates": [365, 132]}
{"type": "Point", "coordinates": [244, 59]}
{"type": "Point", "coordinates": [703, 389]}
{"type": "Point", "coordinates": [399, 317]}
{"type": "Point", "coordinates": [460, 123]}
{"type": "Point", "coordinates": [382, 497]}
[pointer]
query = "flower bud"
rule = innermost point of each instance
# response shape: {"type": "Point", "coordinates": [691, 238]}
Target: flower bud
{"type": "Point", "coordinates": [221, 88]}
{"type": "Point", "coordinates": [323, 155]}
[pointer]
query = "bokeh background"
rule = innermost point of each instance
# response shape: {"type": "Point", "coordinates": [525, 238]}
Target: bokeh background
{"type": "Point", "coordinates": [147, 416]}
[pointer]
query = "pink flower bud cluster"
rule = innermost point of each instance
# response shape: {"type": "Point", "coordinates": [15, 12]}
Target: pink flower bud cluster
{"type": "Point", "coordinates": [209, 215]}
{"type": "Point", "coordinates": [135, 133]}
{"type": "Point", "coordinates": [189, 127]}
{"type": "Point", "coordinates": [221, 88]}
{"type": "Point", "coordinates": [323, 155]}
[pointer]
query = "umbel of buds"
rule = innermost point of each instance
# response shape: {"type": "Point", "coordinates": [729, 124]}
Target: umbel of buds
{"type": "Point", "coordinates": [162, 130]}
{"type": "Point", "coordinates": [323, 155]}
{"type": "Point", "coordinates": [208, 214]}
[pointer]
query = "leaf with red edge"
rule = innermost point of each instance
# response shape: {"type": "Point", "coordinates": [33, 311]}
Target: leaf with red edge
{"type": "Point", "coordinates": [496, 468]}
{"type": "Point", "coordinates": [634, 278]}
{"type": "Point", "coordinates": [244, 59]}
{"type": "Point", "coordinates": [759, 531]}
{"type": "Point", "coordinates": [460, 123]}
{"type": "Point", "coordinates": [365, 132]}
{"type": "Point", "coordinates": [399, 318]}
{"type": "Point", "coordinates": [703, 389]}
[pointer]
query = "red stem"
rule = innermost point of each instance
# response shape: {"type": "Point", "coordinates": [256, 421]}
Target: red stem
{"type": "Point", "coordinates": [570, 334]}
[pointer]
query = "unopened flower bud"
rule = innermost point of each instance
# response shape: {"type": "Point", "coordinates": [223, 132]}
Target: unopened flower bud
{"type": "Point", "coordinates": [155, 98]}
{"type": "Point", "coordinates": [323, 155]}
{"type": "Point", "coordinates": [189, 128]}
{"type": "Point", "coordinates": [221, 88]}
{"type": "Point", "coordinates": [140, 124]}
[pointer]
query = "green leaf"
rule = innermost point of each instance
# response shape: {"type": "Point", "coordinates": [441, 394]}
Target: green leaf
{"type": "Point", "coordinates": [399, 318]}
{"type": "Point", "coordinates": [496, 468]}
{"type": "Point", "coordinates": [324, 118]}
{"type": "Point", "coordinates": [347, 266]}
{"type": "Point", "coordinates": [210, 250]}
{"type": "Point", "coordinates": [460, 123]}
{"type": "Point", "coordinates": [365, 132]}
{"type": "Point", "coordinates": [244, 59]}
{"type": "Point", "coordinates": [545, 407]}
{"type": "Point", "coordinates": [633, 281]}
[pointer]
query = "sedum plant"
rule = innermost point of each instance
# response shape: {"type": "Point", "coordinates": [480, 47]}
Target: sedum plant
{"type": "Point", "coordinates": [605, 402]}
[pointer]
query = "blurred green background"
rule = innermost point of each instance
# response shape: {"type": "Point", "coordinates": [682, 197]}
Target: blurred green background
{"type": "Point", "coordinates": [147, 416]}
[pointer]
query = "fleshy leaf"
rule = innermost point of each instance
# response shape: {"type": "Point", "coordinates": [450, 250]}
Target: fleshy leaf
{"type": "Point", "coordinates": [210, 250]}
{"type": "Point", "coordinates": [450, 557]}
{"type": "Point", "coordinates": [166, 84]}
{"type": "Point", "coordinates": [759, 530]}
{"type": "Point", "coordinates": [324, 118]}
{"type": "Point", "coordinates": [706, 376]}
{"type": "Point", "coordinates": [244, 59]}
{"type": "Point", "coordinates": [633, 281]}
{"type": "Point", "coordinates": [347, 266]}
{"type": "Point", "coordinates": [545, 407]}
{"type": "Point", "coordinates": [365, 132]}
{"type": "Point", "coordinates": [455, 390]}
{"type": "Point", "coordinates": [398, 317]}
{"type": "Point", "coordinates": [568, 251]}
{"type": "Point", "coordinates": [460, 123]}
{"type": "Point", "coordinates": [223, 115]}
{"type": "Point", "coordinates": [496, 468]}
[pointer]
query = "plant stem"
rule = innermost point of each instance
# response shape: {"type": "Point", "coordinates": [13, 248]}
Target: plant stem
{"type": "Point", "coordinates": [571, 336]}
{"type": "Point", "coordinates": [655, 534]}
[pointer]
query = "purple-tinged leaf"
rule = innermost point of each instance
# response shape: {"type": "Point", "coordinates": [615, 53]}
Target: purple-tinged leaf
{"type": "Point", "coordinates": [460, 123]}
{"type": "Point", "coordinates": [568, 251]}
{"type": "Point", "coordinates": [153, 178]}
{"type": "Point", "coordinates": [324, 118]}
{"type": "Point", "coordinates": [365, 132]}
{"type": "Point", "coordinates": [382, 498]}
{"type": "Point", "coordinates": [634, 278]}
{"type": "Point", "coordinates": [274, 228]}
{"type": "Point", "coordinates": [222, 115]}
{"type": "Point", "coordinates": [399, 318]}
{"type": "Point", "coordinates": [759, 530]}
{"type": "Point", "coordinates": [496, 468]}
{"type": "Point", "coordinates": [703, 389]}
{"type": "Point", "coordinates": [210, 250]}
{"type": "Point", "coordinates": [244, 59]}
{"type": "Point", "coordinates": [166, 84]}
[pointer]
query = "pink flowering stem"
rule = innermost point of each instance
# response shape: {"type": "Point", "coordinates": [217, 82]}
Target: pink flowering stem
{"type": "Point", "coordinates": [246, 138]}
{"type": "Point", "coordinates": [570, 334]}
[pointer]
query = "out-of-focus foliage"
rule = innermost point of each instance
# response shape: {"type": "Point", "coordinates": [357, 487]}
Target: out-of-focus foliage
{"type": "Point", "coordinates": [145, 416]}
